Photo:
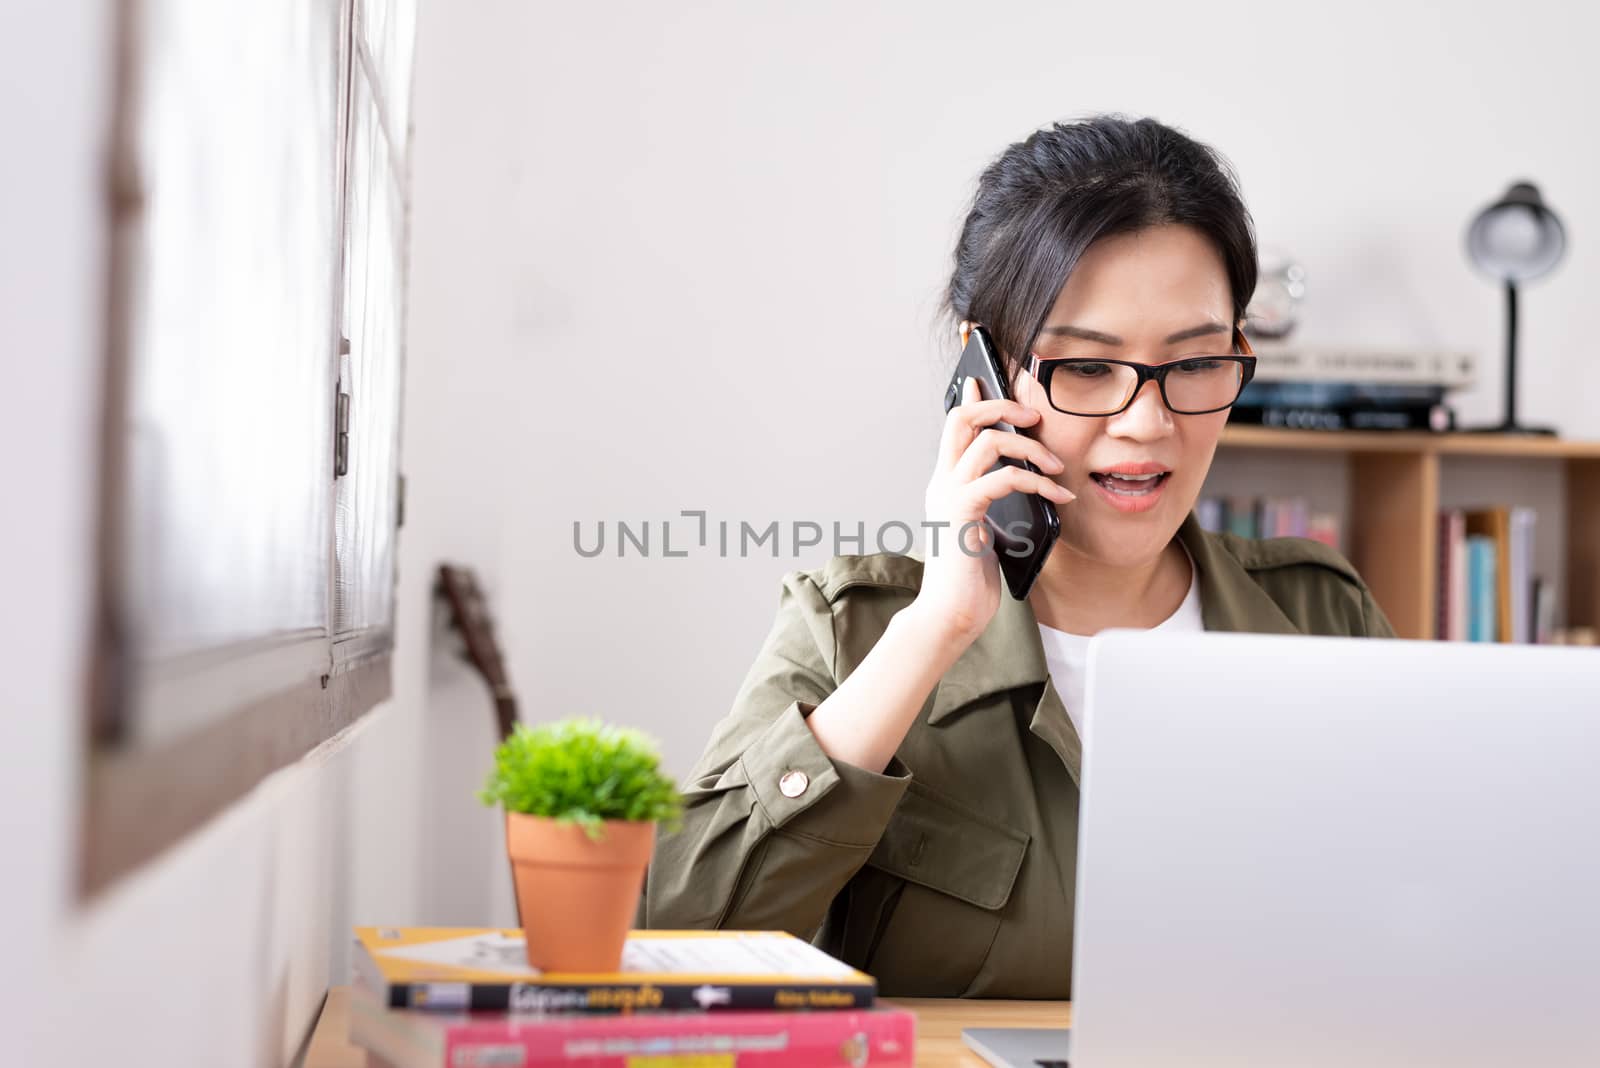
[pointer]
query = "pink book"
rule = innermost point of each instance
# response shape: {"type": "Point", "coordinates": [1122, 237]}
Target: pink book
{"type": "Point", "coordinates": [1453, 575]}
{"type": "Point", "coordinates": [845, 1038]}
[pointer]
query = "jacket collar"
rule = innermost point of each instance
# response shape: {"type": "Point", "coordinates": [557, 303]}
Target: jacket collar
{"type": "Point", "coordinates": [1230, 597]}
{"type": "Point", "coordinates": [1009, 654]}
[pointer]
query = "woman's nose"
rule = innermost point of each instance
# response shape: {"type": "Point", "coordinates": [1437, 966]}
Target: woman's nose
{"type": "Point", "coordinates": [1147, 417]}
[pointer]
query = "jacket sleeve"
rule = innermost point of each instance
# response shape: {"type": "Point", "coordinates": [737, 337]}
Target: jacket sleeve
{"type": "Point", "coordinates": [773, 828]}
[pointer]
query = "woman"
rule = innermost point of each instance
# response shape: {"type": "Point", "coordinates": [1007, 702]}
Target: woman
{"type": "Point", "coordinates": [898, 778]}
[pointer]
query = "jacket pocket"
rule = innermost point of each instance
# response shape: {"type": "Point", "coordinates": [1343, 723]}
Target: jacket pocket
{"type": "Point", "coordinates": [925, 909]}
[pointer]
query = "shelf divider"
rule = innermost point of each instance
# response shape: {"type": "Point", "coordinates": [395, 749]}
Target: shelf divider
{"type": "Point", "coordinates": [1583, 543]}
{"type": "Point", "coordinates": [1393, 525]}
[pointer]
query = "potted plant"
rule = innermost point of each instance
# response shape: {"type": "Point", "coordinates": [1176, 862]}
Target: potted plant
{"type": "Point", "coordinates": [582, 801]}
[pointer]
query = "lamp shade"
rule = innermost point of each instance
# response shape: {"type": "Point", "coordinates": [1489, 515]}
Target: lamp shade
{"type": "Point", "coordinates": [1517, 238]}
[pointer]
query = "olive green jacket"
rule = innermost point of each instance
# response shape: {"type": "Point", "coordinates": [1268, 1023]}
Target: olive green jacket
{"type": "Point", "coordinates": [952, 872]}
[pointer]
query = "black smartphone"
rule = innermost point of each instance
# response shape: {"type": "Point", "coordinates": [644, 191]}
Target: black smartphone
{"type": "Point", "coordinates": [1025, 525]}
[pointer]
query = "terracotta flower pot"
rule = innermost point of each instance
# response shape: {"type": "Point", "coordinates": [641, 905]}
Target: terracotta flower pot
{"type": "Point", "coordinates": [577, 897]}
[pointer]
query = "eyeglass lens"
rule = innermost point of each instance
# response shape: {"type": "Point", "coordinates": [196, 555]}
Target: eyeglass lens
{"type": "Point", "coordinates": [1087, 387]}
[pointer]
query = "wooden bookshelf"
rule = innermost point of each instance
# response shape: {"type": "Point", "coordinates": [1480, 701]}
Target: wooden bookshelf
{"type": "Point", "coordinates": [1392, 506]}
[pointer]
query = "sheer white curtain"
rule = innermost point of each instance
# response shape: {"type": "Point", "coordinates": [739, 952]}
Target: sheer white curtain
{"type": "Point", "coordinates": [246, 563]}
{"type": "Point", "coordinates": [230, 346]}
{"type": "Point", "coordinates": [370, 372]}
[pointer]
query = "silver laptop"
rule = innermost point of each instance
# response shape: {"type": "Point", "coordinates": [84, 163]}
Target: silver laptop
{"type": "Point", "coordinates": [1330, 851]}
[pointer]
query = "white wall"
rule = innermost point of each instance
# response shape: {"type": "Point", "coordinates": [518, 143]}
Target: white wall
{"type": "Point", "coordinates": [50, 89]}
{"type": "Point", "coordinates": [699, 247]}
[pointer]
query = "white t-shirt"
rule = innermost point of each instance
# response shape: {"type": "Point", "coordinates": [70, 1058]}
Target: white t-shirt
{"type": "Point", "coordinates": [1067, 654]}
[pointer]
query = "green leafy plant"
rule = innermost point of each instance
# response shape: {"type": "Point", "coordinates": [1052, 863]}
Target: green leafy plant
{"type": "Point", "coordinates": [582, 771]}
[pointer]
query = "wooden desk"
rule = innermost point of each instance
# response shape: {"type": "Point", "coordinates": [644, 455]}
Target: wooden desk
{"type": "Point", "coordinates": [940, 1020]}
{"type": "Point", "coordinates": [939, 1024]}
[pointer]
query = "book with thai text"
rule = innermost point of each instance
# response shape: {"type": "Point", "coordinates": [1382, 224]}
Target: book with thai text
{"type": "Point", "coordinates": [468, 968]}
{"type": "Point", "coordinates": [831, 1038]}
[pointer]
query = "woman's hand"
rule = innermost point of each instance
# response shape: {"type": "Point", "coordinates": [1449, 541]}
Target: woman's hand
{"type": "Point", "coordinates": [961, 577]}
{"type": "Point", "coordinates": [864, 721]}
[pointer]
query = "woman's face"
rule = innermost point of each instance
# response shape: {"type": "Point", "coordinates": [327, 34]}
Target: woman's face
{"type": "Point", "coordinates": [1149, 297]}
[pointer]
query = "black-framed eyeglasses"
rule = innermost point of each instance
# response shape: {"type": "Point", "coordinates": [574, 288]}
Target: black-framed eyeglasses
{"type": "Point", "coordinates": [1098, 386]}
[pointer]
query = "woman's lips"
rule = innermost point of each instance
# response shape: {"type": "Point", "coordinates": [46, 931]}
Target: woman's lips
{"type": "Point", "coordinates": [1128, 489]}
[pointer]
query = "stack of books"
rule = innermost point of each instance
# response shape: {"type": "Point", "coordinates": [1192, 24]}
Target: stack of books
{"type": "Point", "coordinates": [1267, 517]}
{"type": "Point", "coordinates": [445, 997]}
{"type": "Point", "coordinates": [1352, 389]}
{"type": "Point", "coordinates": [1487, 589]}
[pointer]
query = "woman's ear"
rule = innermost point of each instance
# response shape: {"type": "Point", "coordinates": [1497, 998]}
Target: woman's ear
{"type": "Point", "coordinates": [966, 331]}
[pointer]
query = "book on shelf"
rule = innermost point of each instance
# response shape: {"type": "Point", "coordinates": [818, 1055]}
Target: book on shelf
{"type": "Point", "coordinates": [1292, 394]}
{"type": "Point", "coordinates": [1481, 623]}
{"type": "Point", "coordinates": [1487, 588]}
{"type": "Point", "coordinates": [1495, 525]}
{"type": "Point", "coordinates": [486, 969]}
{"type": "Point", "coordinates": [1453, 610]}
{"type": "Point", "coordinates": [1544, 612]}
{"type": "Point", "coordinates": [1267, 517]}
{"type": "Point", "coordinates": [827, 1038]}
{"type": "Point", "coordinates": [1435, 418]}
{"type": "Point", "coordinates": [1279, 362]}
{"type": "Point", "coordinates": [1522, 577]}
{"type": "Point", "coordinates": [1512, 532]}
{"type": "Point", "coordinates": [1337, 391]}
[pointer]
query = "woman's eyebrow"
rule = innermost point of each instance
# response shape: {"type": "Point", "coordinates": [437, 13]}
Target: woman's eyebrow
{"type": "Point", "coordinates": [1107, 339]}
{"type": "Point", "coordinates": [1197, 331]}
{"type": "Point", "coordinates": [1078, 332]}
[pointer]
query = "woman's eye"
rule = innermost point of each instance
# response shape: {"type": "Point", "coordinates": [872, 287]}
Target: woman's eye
{"type": "Point", "coordinates": [1194, 367]}
{"type": "Point", "coordinates": [1088, 370]}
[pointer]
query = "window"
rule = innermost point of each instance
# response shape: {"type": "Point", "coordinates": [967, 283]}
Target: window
{"type": "Point", "coordinates": [251, 489]}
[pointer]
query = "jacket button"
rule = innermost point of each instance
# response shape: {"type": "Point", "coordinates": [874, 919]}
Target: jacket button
{"type": "Point", "coordinates": [793, 783]}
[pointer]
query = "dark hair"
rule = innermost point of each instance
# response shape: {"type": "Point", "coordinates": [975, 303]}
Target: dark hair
{"type": "Point", "coordinates": [1045, 200]}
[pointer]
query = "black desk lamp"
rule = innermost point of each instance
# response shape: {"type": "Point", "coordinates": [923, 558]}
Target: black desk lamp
{"type": "Point", "coordinates": [1514, 240]}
